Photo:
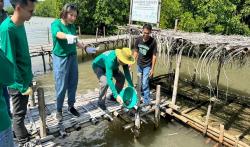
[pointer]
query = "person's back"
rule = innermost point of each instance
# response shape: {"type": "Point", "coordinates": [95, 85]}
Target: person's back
{"type": "Point", "coordinates": [106, 66]}
{"type": "Point", "coordinates": [106, 59]}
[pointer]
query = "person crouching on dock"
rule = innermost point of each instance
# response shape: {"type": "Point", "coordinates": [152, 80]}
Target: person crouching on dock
{"type": "Point", "coordinates": [106, 66]}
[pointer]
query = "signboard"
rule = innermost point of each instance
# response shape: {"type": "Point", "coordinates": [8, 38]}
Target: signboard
{"type": "Point", "coordinates": [145, 11]}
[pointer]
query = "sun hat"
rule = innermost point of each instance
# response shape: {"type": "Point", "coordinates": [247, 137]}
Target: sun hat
{"type": "Point", "coordinates": [125, 55]}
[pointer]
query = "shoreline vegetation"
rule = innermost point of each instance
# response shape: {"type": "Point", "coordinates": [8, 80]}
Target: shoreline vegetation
{"type": "Point", "coordinates": [214, 17]}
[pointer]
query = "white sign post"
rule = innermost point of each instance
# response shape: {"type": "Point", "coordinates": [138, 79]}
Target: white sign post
{"type": "Point", "coordinates": [145, 11]}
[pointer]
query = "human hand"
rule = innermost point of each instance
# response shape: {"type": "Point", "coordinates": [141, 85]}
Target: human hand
{"type": "Point", "coordinates": [119, 100]}
{"type": "Point", "coordinates": [29, 91]}
{"type": "Point", "coordinates": [71, 39]}
{"type": "Point", "coordinates": [151, 73]}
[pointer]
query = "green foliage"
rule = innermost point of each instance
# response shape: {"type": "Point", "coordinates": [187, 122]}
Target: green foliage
{"type": "Point", "coordinates": [85, 18]}
{"type": "Point", "coordinates": [9, 10]}
{"type": "Point", "coordinates": [111, 13]}
{"type": "Point", "coordinates": [47, 8]}
{"type": "Point", "coordinates": [212, 16]}
{"type": "Point", "coordinates": [170, 10]}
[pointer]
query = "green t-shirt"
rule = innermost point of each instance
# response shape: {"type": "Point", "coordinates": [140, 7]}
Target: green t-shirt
{"type": "Point", "coordinates": [6, 77]}
{"type": "Point", "coordinates": [108, 62]}
{"type": "Point", "coordinates": [61, 47]}
{"type": "Point", "coordinates": [14, 44]}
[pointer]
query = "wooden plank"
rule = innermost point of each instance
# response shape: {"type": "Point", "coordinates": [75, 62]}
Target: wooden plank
{"type": "Point", "coordinates": [42, 114]}
{"type": "Point", "coordinates": [221, 137]}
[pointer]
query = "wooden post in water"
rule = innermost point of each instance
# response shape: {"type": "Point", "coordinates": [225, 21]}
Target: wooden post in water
{"type": "Point", "coordinates": [139, 86]}
{"type": "Point", "coordinates": [118, 34]}
{"type": "Point", "coordinates": [44, 63]}
{"type": "Point", "coordinates": [32, 97]}
{"type": "Point", "coordinates": [104, 31]}
{"type": "Point", "coordinates": [176, 25]}
{"type": "Point", "coordinates": [48, 35]}
{"type": "Point", "coordinates": [157, 106]}
{"type": "Point", "coordinates": [176, 78]}
{"type": "Point", "coordinates": [137, 114]}
{"type": "Point", "coordinates": [42, 114]}
{"type": "Point", "coordinates": [50, 61]}
{"type": "Point", "coordinates": [170, 72]}
{"type": "Point", "coordinates": [132, 76]}
{"type": "Point", "coordinates": [218, 74]}
{"type": "Point", "coordinates": [194, 77]}
{"type": "Point", "coordinates": [207, 118]}
{"type": "Point", "coordinates": [79, 30]}
{"type": "Point", "coordinates": [221, 134]}
{"type": "Point", "coordinates": [96, 34]}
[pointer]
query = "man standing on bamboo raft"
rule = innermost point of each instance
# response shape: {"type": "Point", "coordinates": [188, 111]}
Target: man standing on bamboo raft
{"type": "Point", "coordinates": [14, 44]}
{"type": "Point", "coordinates": [106, 66]}
{"type": "Point", "coordinates": [145, 54]}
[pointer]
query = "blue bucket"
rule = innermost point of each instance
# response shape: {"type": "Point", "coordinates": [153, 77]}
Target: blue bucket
{"type": "Point", "coordinates": [129, 97]}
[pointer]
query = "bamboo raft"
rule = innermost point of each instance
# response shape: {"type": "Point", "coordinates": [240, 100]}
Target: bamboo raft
{"type": "Point", "coordinates": [44, 127]}
{"type": "Point", "coordinates": [43, 118]}
{"type": "Point", "coordinates": [222, 129]}
{"type": "Point", "coordinates": [178, 43]}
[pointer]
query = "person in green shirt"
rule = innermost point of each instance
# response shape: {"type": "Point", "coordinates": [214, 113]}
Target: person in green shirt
{"type": "Point", "coordinates": [106, 66]}
{"type": "Point", "coordinates": [14, 44]}
{"type": "Point", "coordinates": [3, 16]}
{"type": "Point", "coordinates": [6, 77]}
{"type": "Point", "coordinates": [65, 58]}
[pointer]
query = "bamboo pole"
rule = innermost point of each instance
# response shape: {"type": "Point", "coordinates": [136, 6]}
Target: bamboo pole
{"type": "Point", "coordinates": [176, 25]}
{"type": "Point", "coordinates": [48, 35]}
{"type": "Point", "coordinates": [137, 114]}
{"type": "Point", "coordinates": [193, 108]}
{"type": "Point", "coordinates": [176, 79]}
{"type": "Point", "coordinates": [194, 77]}
{"type": "Point", "coordinates": [96, 34]}
{"type": "Point", "coordinates": [79, 30]}
{"type": "Point", "coordinates": [218, 74]}
{"type": "Point", "coordinates": [211, 132]}
{"type": "Point", "coordinates": [32, 97]}
{"type": "Point", "coordinates": [221, 134]}
{"type": "Point", "coordinates": [132, 76]}
{"type": "Point", "coordinates": [157, 106]}
{"type": "Point", "coordinates": [214, 133]}
{"type": "Point", "coordinates": [50, 61]}
{"type": "Point", "coordinates": [158, 14]}
{"type": "Point", "coordinates": [44, 63]}
{"type": "Point", "coordinates": [207, 118]}
{"type": "Point", "coordinates": [104, 31]}
{"type": "Point", "coordinates": [42, 114]}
